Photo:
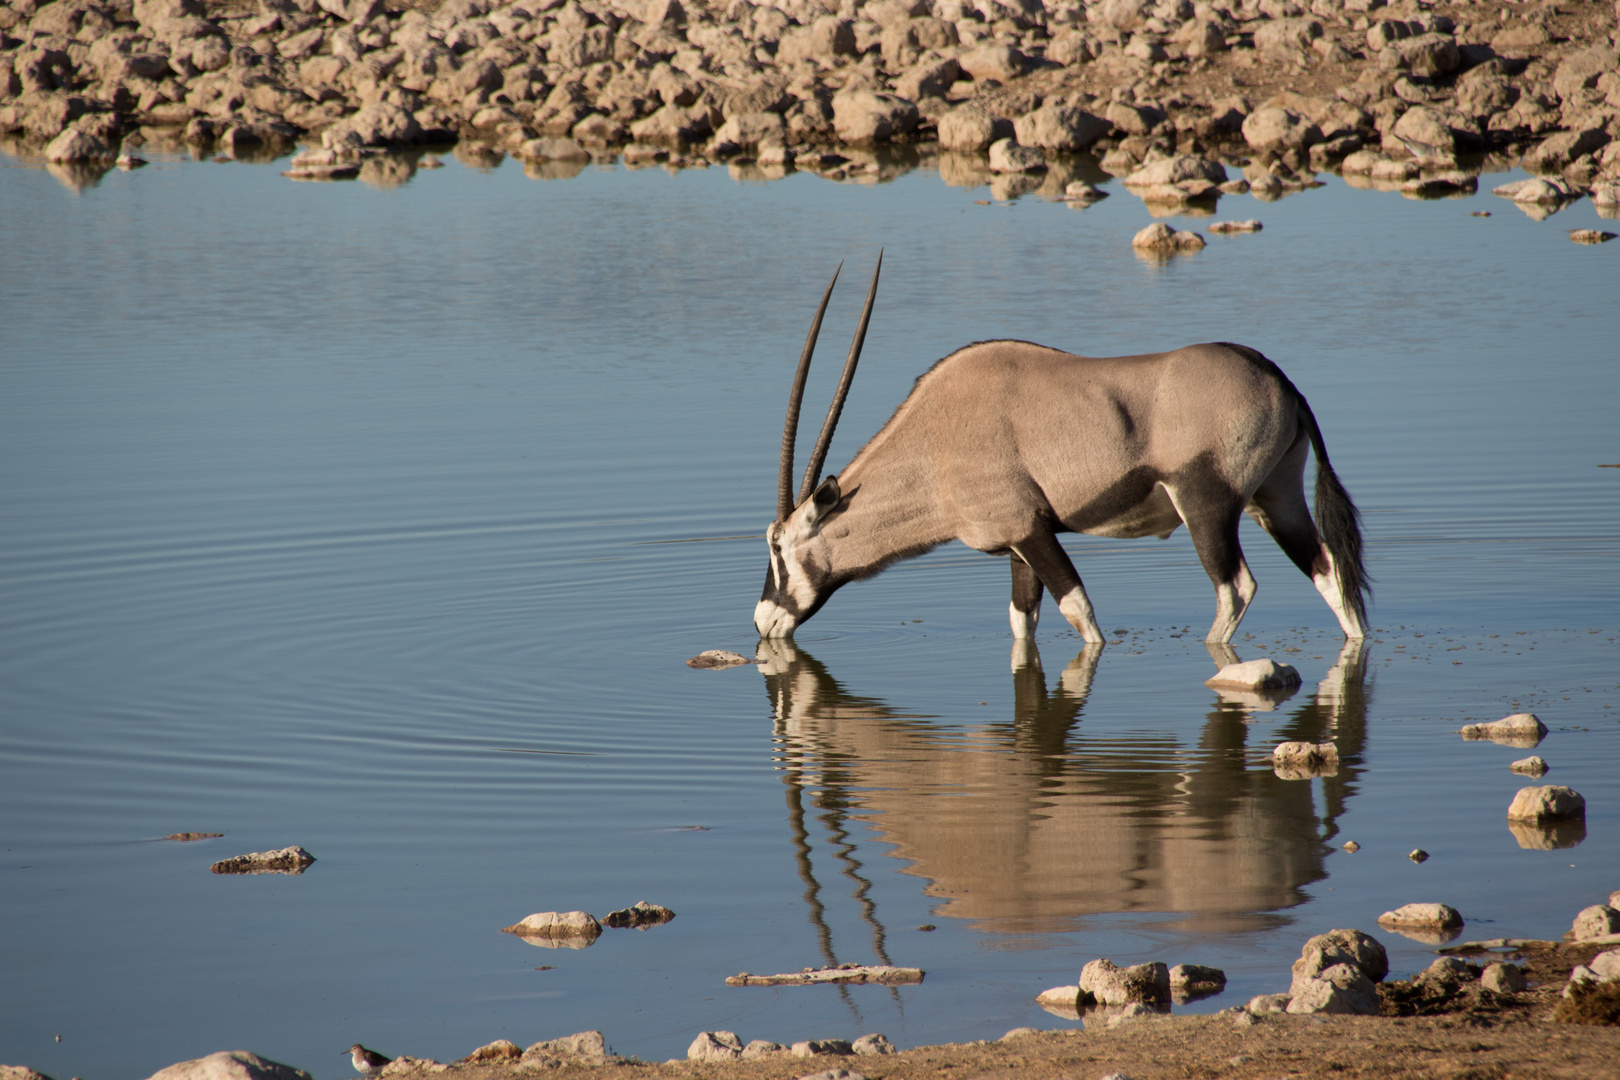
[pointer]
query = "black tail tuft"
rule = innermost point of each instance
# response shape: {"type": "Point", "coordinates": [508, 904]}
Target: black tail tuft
{"type": "Point", "coordinates": [1339, 523]}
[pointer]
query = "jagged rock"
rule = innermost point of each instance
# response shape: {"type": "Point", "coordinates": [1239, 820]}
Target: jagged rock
{"type": "Point", "coordinates": [1263, 674]}
{"type": "Point", "coordinates": [866, 116]}
{"type": "Point", "coordinates": [1422, 915]}
{"type": "Point", "coordinates": [76, 145]}
{"type": "Point", "coordinates": [491, 1053]}
{"type": "Point", "coordinates": [715, 1046]}
{"type": "Point", "coordinates": [1175, 170]}
{"type": "Point", "coordinates": [378, 124]}
{"type": "Point", "coordinates": [1196, 979]}
{"type": "Point", "coordinates": [1110, 984]}
{"type": "Point", "coordinates": [638, 916]}
{"type": "Point", "coordinates": [1342, 988]}
{"type": "Point", "coordinates": [1302, 760]}
{"type": "Point", "coordinates": [21, 1072]}
{"type": "Point", "coordinates": [1560, 149]}
{"type": "Point", "coordinates": [822, 1048]}
{"type": "Point", "coordinates": [1429, 55]}
{"type": "Point", "coordinates": [1503, 978]}
{"type": "Point", "coordinates": [1352, 947]}
{"type": "Point", "coordinates": [744, 130]}
{"type": "Point", "coordinates": [999, 62]}
{"type": "Point", "coordinates": [1544, 803]}
{"type": "Point", "coordinates": [552, 149]}
{"type": "Point", "coordinates": [928, 78]}
{"type": "Point", "coordinates": [1599, 920]}
{"type": "Point", "coordinates": [1539, 189]}
{"type": "Point", "coordinates": [230, 1065]}
{"type": "Point", "coordinates": [1161, 239]}
{"type": "Point", "coordinates": [1520, 729]}
{"type": "Point", "coordinates": [287, 860]}
{"type": "Point", "coordinates": [1006, 156]}
{"type": "Point", "coordinates": [557, 929]}
{"type": "Point", "coordinates": [1059, 127]}
{"type": "Point", "coordinates": [589, 1045]}
{"type": "Point", "coordinates": [970, 128]}
{"type": "Point", "coordinates": [872, 1044]}
{"type": "Point", "coordinates": [1279, 129]}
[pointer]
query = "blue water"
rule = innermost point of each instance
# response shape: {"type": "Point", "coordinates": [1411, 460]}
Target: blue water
{"type": "Point", "coordinates": [381, 521]}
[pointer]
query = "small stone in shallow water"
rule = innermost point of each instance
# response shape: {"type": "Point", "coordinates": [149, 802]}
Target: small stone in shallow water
{"type": "Point", "coordinates": [1418, 855]}
{"type": "Point", "coordinates": [1303, 760]}
{"type": "Point", "coordinates": [927, 927]}
{"type": "Point", "coordinates": [287, 860]}
{"type": "Point", "coordinates": [1263, 674]}
{"type": "Point", "coordinates": [554, 929]}
{"type": "Point", "coordinates": [187, 837]}
{"type": "Point", "coordinates": [639, 916]}
{"type": "Point", "coordinates": [1590, 236]}
{"type": "Point", "coordinates": [717, 658]}
{"type": "Point", "coordinates": [1351, 846]}
{"type": "Point", "coordinates": [1422, 915]}
{"type": "Point", "coordinates": [1530, 766]}
{"type": "Point", "coordinates": [1161, 239]}
{"type": "Point", "coordinates": [1520, 729]}
{"type": "Point", "coordinates": [1251, 225]}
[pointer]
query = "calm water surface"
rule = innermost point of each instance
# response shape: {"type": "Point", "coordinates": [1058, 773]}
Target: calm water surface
{"type": "Point", "coordinates": [381, 522]}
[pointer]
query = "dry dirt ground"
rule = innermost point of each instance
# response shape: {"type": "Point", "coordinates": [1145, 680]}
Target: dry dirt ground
{"type": "Point", "coordinates": [1479, 1036]}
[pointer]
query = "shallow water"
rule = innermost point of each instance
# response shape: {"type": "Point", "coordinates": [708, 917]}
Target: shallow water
{"type": "Point", "coordinates": [381, 522]}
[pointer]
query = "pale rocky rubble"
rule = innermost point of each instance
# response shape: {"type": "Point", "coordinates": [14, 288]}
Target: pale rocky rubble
{"type": "Point", "coordinates": [1281, 88]}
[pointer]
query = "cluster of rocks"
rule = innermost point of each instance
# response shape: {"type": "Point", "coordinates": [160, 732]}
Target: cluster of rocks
{"type": "Point", "coordinates": [1592, 995]}
{"type": "Point", "coordinates": [1123, 993]}
{"type": "Point", "coordinates": [1164, 90]}
{"type": "Point", "coordinates": [580, 929]}
{"type": "Point", "coordinates": [726, 1046]}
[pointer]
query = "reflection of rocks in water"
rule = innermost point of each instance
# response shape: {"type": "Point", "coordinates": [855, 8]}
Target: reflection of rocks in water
{"type": "Point", "coordinates": [964, 170]}
{"type": "Point", "coordinates": [1428, 935]}
{"type": "Point", "coordinates": [1031, 823]}
{"type": "Point", "coordinates": [1548, 835]}
{"type": "Point", "coordinates": [553, 168]}
{"type": "Point", "coordinates": [387, 170]}
{"type": "Point", "coordinates": [77, 176]}
{"type": "Point", "coordinates": [478, 156]}
{"type": "Point", "coordinates": [1006, 187]}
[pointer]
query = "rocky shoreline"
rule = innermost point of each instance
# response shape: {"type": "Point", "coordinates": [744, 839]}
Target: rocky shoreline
{"type": "Point", "coordinates": [1414, 95]}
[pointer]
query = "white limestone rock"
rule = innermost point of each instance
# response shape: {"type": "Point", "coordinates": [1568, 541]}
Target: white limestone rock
{"type": "Point", "coordinates": [1530, 766]}
{"type": "Point", "coordinates": [1007, 156]}
{"type": "Point", "coordinates": [1422, 916]}
{"type": "Point", "coordinates": [1148, 984]}
{"type": "Point", "coordinates": [1504, 978]}
{"type": "Point", "coordinates": [1340, 989]}
{"type": "Point", "coordinates": [557, 929]}
{"type": "Point", "coordinates": [1599, 920]}
{"type": "Point", "coordinates": [1520, 729]}
{"type": "Point", "coordinates": [715, 1046]}
{"type": "Point", "coordinates": [230, 1065]}
{"type": "Point", "coordinates": [1263, 674]}
{"type": "Point", "coordinates": [1546, 803]}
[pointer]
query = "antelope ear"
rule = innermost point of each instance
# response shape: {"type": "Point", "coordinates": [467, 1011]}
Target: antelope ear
{"type": "Point", "coordinates": [823, 499]}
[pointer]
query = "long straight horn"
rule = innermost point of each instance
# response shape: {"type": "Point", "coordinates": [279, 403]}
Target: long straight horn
{"type": "Point", "coordinates": [818, 456]}
{"type": "Point", "coordinates": [790, 430]}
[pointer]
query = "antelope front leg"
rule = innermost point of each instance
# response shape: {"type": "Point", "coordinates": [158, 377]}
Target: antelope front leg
{"type": "Point", "coordinates": [1042, 553]}
{"type": "Point", "coordinates": [1025, 610]}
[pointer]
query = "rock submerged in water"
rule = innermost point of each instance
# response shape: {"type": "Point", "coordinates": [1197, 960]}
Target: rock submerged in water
{"type": "Point", "coordinates": [557, 929]}
{"type": "Point", "coordinates": [1520, 729]}
{"type": "Point", "coordinates": [1161, 239]}
{"type": "Point", "coordinates": [1437, 916]}
{"type": "Point", "coordinates": [188, 837]}
{"type": "Point", "coordinates": [717, 658]}
{"type": "Point", "coordinates": [1228, 227]}
{"type": "Point", "coordinates": [1530, 766]}
{"type": "Point", "coordinates": [287, 860]}
{"type": "Point", "coordinates": [1303, 760]}
{"type": "Point", "coordinates": [1536, 804]}
{"type": "Point", "coordinates": [639, 916]}
{"type": "Point", "coordinates": [1264, 674]}
{"type": "Point", "coordinates": [230, 1065]}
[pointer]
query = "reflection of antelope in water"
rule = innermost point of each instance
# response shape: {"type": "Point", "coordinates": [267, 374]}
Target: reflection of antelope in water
{"type": "Point", "coordinates": [1031, 824]}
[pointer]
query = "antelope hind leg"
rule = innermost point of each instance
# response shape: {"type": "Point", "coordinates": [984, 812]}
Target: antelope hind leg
{"type": "Point", "coordinates": [1042, 553]}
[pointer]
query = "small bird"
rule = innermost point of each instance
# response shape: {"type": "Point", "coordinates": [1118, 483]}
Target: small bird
{"type": "Point", "coordinates": [367, 1062]}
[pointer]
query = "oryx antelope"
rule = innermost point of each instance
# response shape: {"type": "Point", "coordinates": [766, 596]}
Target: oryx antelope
{"type": "Point", "coordinates": [1004, 444]}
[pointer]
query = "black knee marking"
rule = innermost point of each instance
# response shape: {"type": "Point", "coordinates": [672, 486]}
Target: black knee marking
{"type": "Point", "coordinates": [1026, 587]}
{"type": "Point", "coordinates": [1212, 509]}
{"type": "Point", "coordinates": [1049, 563]}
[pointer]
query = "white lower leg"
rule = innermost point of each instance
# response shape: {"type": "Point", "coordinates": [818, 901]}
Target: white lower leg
{"type": "Point", "coordinates": [1328, 585]}
{"type": "Point", "coordinates": [1076, 607]}
{"type": "Point", "coordinates": [1023, 622]}
{"type": "Point", "coordinates": [1232, 599]}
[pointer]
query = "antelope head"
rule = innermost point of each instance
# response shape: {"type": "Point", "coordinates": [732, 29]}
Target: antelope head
{"type": "Point", "coordinates": [799, 577]}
